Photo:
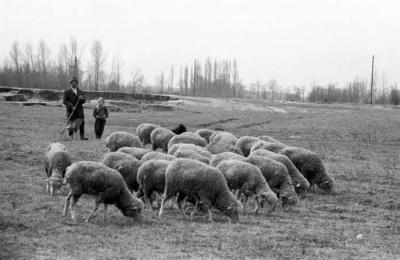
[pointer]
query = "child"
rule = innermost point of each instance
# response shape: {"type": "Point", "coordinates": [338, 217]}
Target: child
{"type": "Point", "coordinates": [100, 112]}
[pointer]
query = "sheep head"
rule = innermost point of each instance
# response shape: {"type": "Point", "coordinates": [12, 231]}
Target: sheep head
{"type": "Point", "coordinates": [267, 200]}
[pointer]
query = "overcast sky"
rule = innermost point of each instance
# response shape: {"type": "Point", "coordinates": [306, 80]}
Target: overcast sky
{"type": "Point", "coordinates": [293, 41]}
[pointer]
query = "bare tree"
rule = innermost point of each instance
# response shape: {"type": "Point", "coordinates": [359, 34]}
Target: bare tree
{"type": "Point", "coordinates": [98, 58]}
{"type": "Point", "coordinates": [15, 55]}
{"type": "Point", "coordinates": [171, 83]}
{"type": "Point", "coordinates": [137, 81]}
{"type": "Point", "coordinates": [43, 59]}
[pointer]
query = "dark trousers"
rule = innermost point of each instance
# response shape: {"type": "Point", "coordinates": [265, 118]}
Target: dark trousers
{"type": "Point", "coordinates": [99, 127]}
{"type": "Point", "coordinates": [81, 129]}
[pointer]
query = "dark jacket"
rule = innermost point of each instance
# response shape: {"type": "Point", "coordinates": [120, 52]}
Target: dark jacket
{"type": "Point", "coordinates": [70, 99]}
{"type": "Point", "coordinates": [100, 112]}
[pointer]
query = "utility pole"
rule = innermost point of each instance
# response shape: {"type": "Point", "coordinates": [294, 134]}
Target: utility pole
{"type": "Point", "coordinates": [372, 77]}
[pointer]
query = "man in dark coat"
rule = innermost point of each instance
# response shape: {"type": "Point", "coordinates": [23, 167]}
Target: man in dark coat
{"type": "Point", "coordinates": [71, 97]}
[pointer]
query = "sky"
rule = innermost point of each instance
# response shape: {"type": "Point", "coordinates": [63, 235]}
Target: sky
{"type": "Point", "coordinates": [296, 42]}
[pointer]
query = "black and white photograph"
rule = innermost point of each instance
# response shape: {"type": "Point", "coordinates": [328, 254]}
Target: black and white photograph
{"type": "Point", "coordinates": [188, 129]}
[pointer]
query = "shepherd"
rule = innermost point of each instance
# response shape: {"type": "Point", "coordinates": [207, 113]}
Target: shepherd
{"type": "Point", "coordinates": [73, 100]}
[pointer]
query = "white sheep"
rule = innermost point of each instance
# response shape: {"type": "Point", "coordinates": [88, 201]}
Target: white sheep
{"type": "Point", "coordinates": [218, 158]}
{"type": "Point", "coordinates": [134, 151]}
{"type": "Point", "coordinates": [221, 141]}
{"type": "Point", "coordinates": [120, 139]}
{"type": "Point", "coordinates": [248, 180]}
{"type": "Point", "coordinates": [199, 180]}
{"type": "Point", "coordinates": [106, 184]}
{"type": "Point", "coordinates": [273, 147]}
{"type": "Point", "coordinates": [198, 149]}
{"type": "Point", "coordinates": [245, 143]}
{"type": "Point", "coordinates": [160, 137]}
{"type": "Point", "coordinates": [56, 160]}
{"type": "Point", "coordinates": [143, 131]}
{"type": "Point", "coordinates": [205, 133]}
{"type": "Point", "coordinates": [190, 154]}
{"type": "Point", "coordinates": [126, 165]}
{"type": "Point", "coordinates": [300, 183]}
{"type": "Point", "coordinates": [187, 138]}
{"type": "Point", "coordinates": [157, 156]}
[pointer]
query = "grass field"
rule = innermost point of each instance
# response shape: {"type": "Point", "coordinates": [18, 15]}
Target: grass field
{"type": "Point", "coordinates": [359, 145]}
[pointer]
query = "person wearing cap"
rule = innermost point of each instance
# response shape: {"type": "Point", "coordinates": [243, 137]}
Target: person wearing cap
{"type": "Point", "coordinates": [100, 112]}
{"type": "Point", "coordinates": [74, 97]}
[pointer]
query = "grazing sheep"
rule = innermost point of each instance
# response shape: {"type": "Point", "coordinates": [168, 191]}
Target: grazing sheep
{"type": "Point", "coordinates": [273, 147]}
{"type": "Point", "coordinates": [160, 137]}
{"type": "Point", "coordinates": [106, 184]}
{"type": "Point", "coordinates": [199, 180]}
{"type": "Point", "coordinates": [157, 156]}
{"type": "Point", "coordinates": [179, 129]}
{"type": "Point", "coordinates": [120, 139]}
{"type": "Point", "coordinates": [218, 158]}
{"type": "Point", "coordinates": [245, 143]}
{"type": "Point", "coordinates": [144, 130]}
{"type": "Point", "coordinates": [271, 139]}
{"type": "Point", "coordinates": [151, 178]}
{"type": "Point", "coordinates": [205, 133]}
{"type": "Point", "coordinates": [198, 149]}
{"type": "Point", "coordinates": [249, 180]}
{"type": "Point", "coordinates": [134, 151]}
{"type": "Point", "coordinates": [310, 165]}
{"type": "Point", "coordinates": [189, 154]}
{"type": "Point", "coordinates": [187, 138]}
{"type": "Point", "coordinates": [278, 178]}
{"type": "Point", "coordinates": [56, 160]}
{"type": "Point", "coordinates": [300, 183]}
{"type": "Point", "coordinates": [223, 142]}
{"type": "Point", "coordinates": [126, 165]}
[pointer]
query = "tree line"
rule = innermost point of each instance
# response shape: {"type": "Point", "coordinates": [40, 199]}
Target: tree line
{"type": "Point", "coordinates": [37, 66]}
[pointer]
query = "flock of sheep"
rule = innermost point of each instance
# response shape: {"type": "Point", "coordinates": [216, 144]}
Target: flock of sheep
{"type": "Point", "coordinates": [206, 168]}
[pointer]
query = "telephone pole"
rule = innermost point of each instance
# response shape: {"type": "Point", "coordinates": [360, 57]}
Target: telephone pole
{"type": "Point", "coordinates": [372, 77]}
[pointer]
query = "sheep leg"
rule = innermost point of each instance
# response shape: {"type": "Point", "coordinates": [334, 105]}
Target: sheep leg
{"type": "Point", "coordinates": [196, 205]}
{"type": "Point", "coordinates": [96, 206]}
{"type": "Point", "coordinates": [207, 204]}
{"type": "Point", "coordinates": [179, 200]}
{"type": "Point", "coordinates": [244, 204]}
{"type": "Point", "coordinates": [164, 198]}
{"type": "Point", "coordinates": [75, 199]}
{"type": "Point", "coordinates": [105, 212]}
{"type": "Point", "coordinates": [67, 203]}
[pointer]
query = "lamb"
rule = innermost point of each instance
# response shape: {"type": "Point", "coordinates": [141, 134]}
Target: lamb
{"type": "Point", "coordinates": [157, 156]}
{"type": "Point", "coordinates": [199, 180]}
{"type": "Point", "coordinates": [249, 180]}
{"type": "Point", "coordinates": [310, 165]}
{"type": "Point", "coordinates": [136, 152]}
{"type": "Point", "coordinates": [56, 160]}
{"type": "Point", "coordinates": [245, 143]}
{"type": "Point", "coordinates": [300, 183]}
{"type": "Point", "coordinates": [223, 142]}
{"type": "Point", "coordinates": [198, 149]}
{"type": "Point", "coordinates": [160, 137]}
{"type": "Point", "coordinates": [205, 133]}
{"type": "Point", "coordinates": [106, 184]}
{"type": "Point", "coordinates": [278, 178]}
{"type": "Point", "coordinates": [151, 178]}
{"type": "Point", "coordinates": [120, 139]}
{"type": "Point", "coordinates": [218, 158]}
{"type": "Point", "coordinates": [144, 130]}
{"type": "Point", "coordinates": [179, 129]}
{"type": "Point", "coordinates": [191, 155]}
{"type": "Point", "coordinates": [187, 138]}
{"type": "Point", "coordinates": [126, 165]}
{"type": "Point", "coordinates": [273, 147]}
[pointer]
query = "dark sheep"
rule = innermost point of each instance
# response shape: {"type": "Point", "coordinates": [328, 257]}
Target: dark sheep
{"type": "Point", "coordinates": [179, 129]}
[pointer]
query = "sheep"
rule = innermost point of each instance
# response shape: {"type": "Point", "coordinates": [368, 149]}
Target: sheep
{"type": "Point", "coordinates": [218, 158]}
{"type": "Point", "coordinates": [134, 151]}
{"type": "Point", "coordinates": [249, 180]}
{"type": "Point", "coordinates": [106, 184]}
{"type": "Point", "coordinates": [160, 137]}
{"type": "Point", "coordinates": [187, 138]}
{"type": "Point", "coordinates": [300, 183]}
{"type": "Point", "coordinates": [199, 180]}
{"type": "Point", "coordinates": [191, 155]}
{"type": "Point", "coordinates": [151, 178]}
{"type": "Point", "coordinates": [198, 149]}
{"type": "Point", "coordinates": [273, 147]}
{"type": "Point", "coordinates": [56, 160]}
{"type": "Point", "coordinates": [126, 165]}
{"type": "Point", "coordinates": [144, 130]}
{"type": "Point", "coordinates": [223, 142]}
{"type": "Point", "coordinates": [277, 177]}
{"type": "Point", "coordinates": [245, 143]}
{"type": "Point", "coordinates": [120, 139]}
{"type": "Point", "coordinates": [179, 129]}
{"type": "Point", "coordinates": [205, 133]}
{"type": "Point", "coordinates": [310, 165]}
{"type": "Point", "coordinates": [157, 156]}
{"type": "Point", "coordinates": [227, 137]}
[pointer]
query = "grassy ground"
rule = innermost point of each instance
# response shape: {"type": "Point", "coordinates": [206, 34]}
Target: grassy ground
{"type": "Point", "coordinates": [359, 145]}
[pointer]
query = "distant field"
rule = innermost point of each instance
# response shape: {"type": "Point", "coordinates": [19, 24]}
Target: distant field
{"type": "Point", "coordinates": [359, 145]}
